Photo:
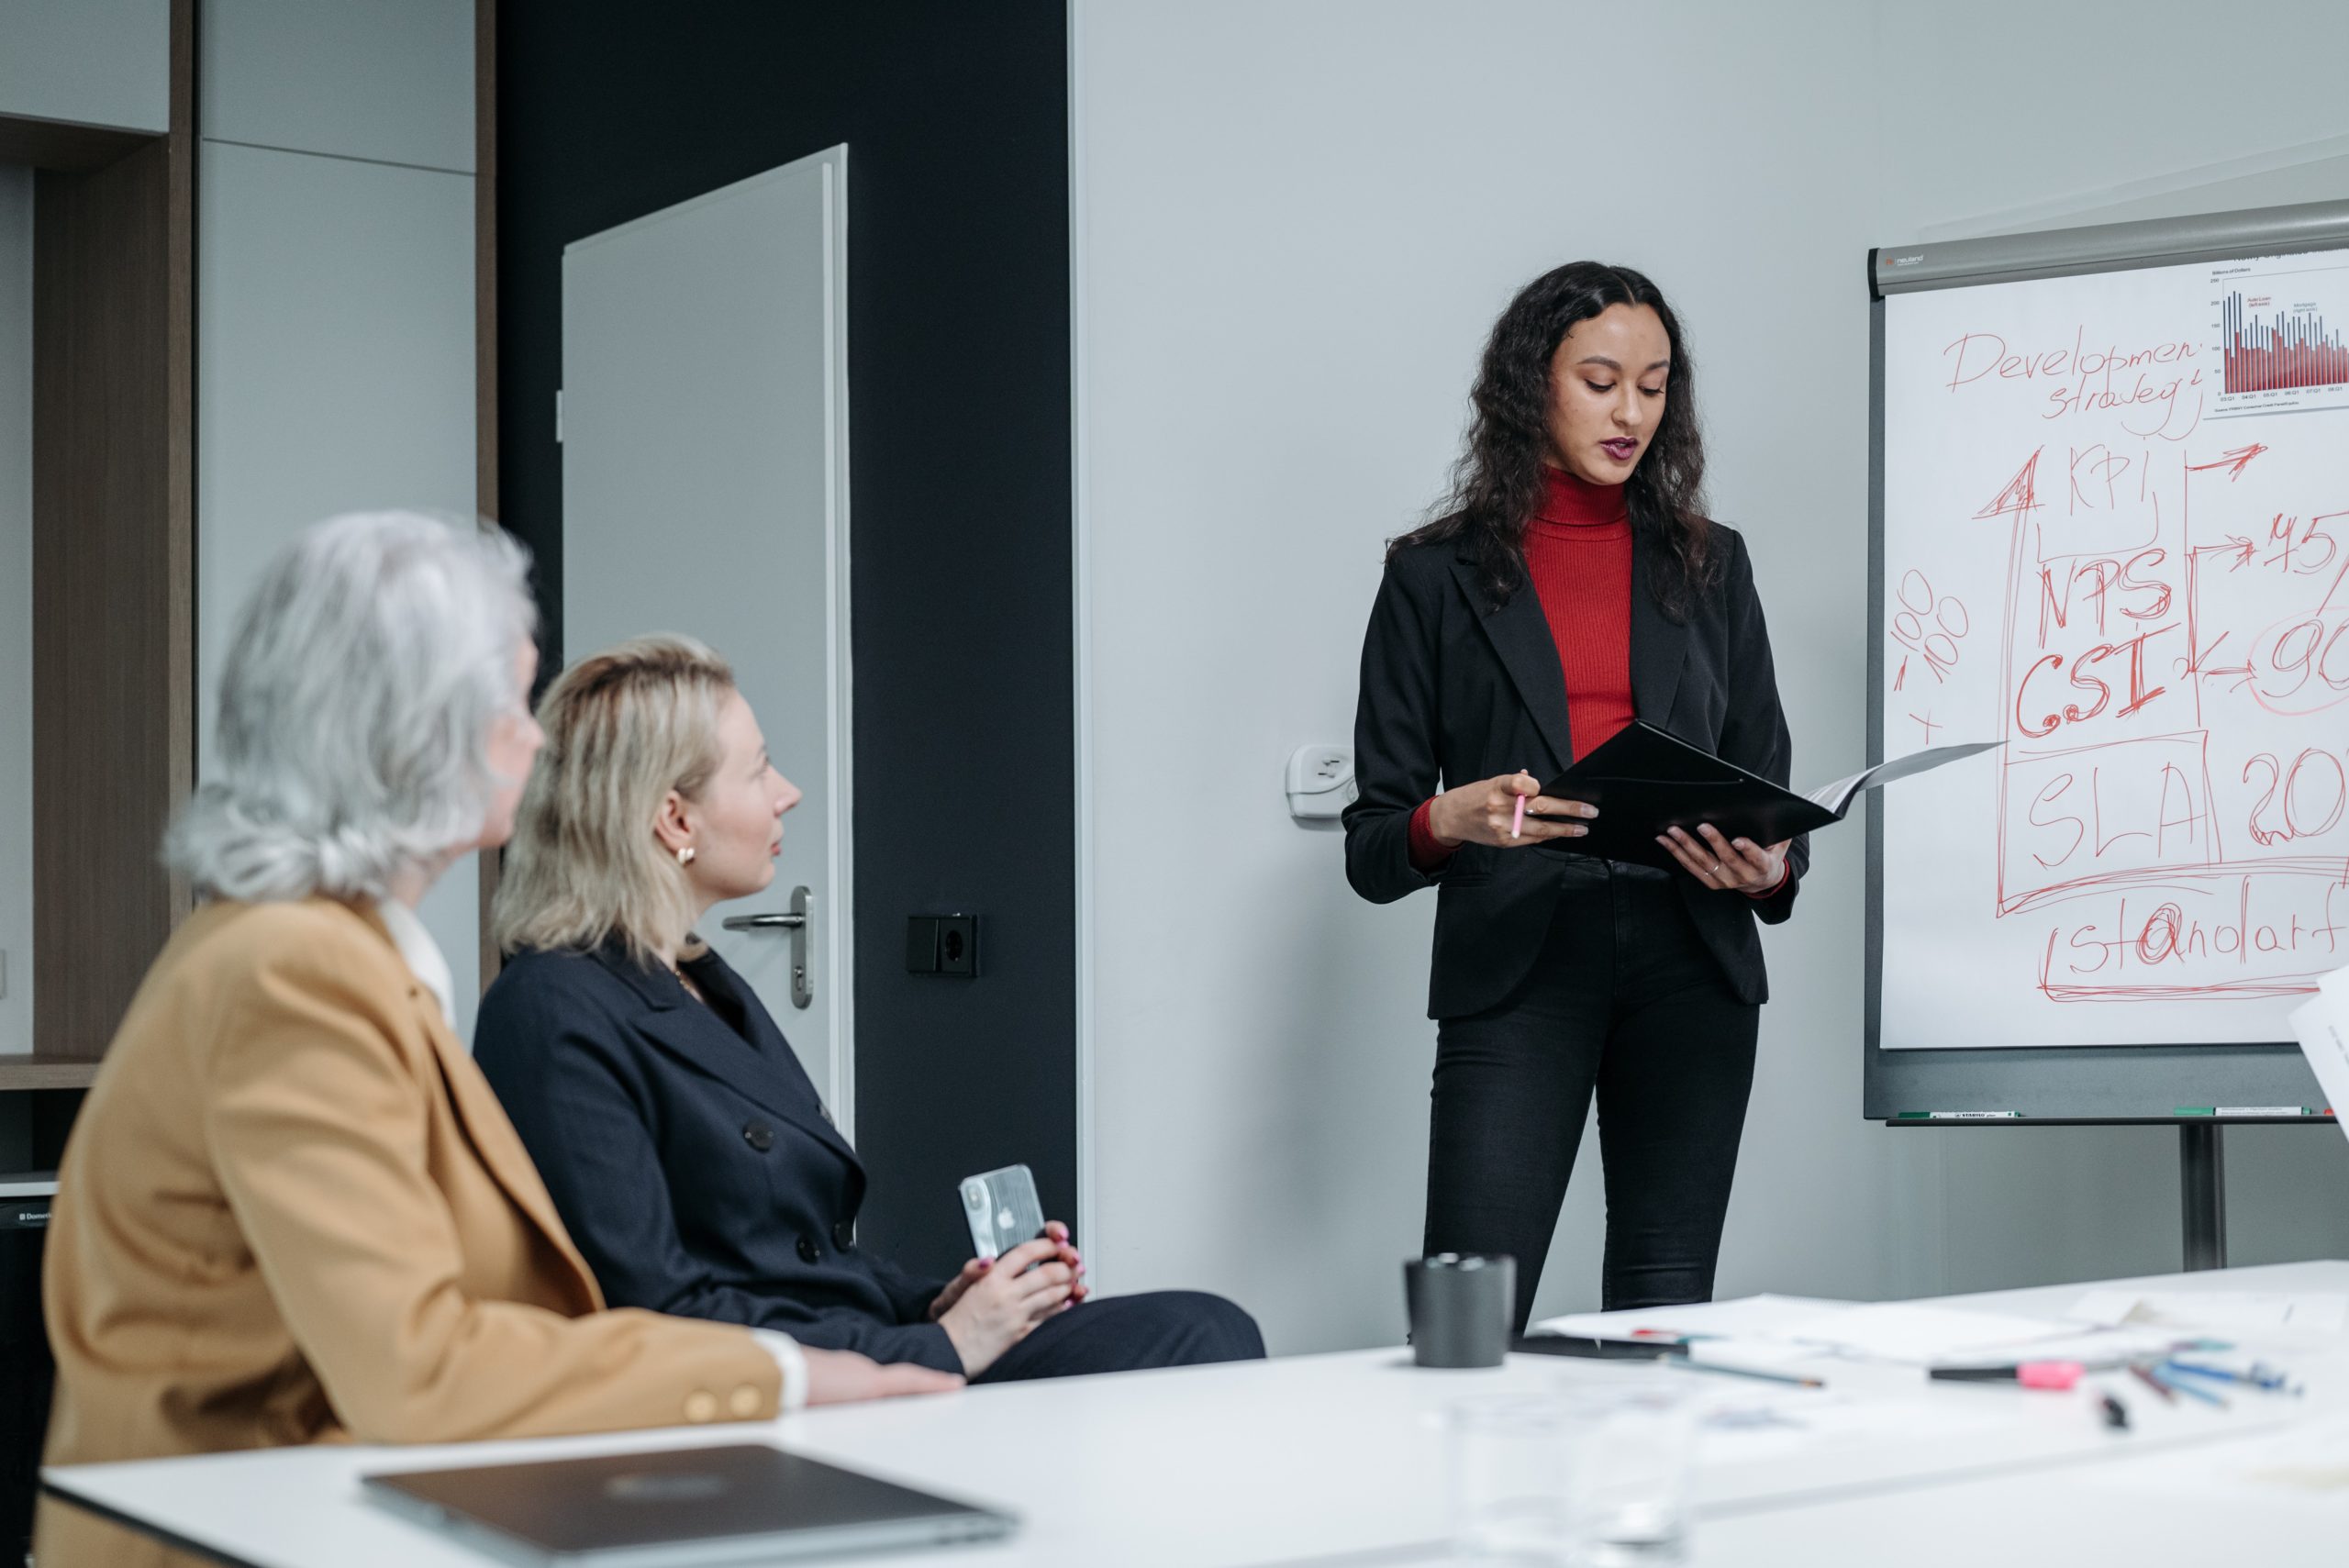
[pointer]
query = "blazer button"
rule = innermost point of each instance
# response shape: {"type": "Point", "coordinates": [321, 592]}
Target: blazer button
{"type": "Point", "coordinates": [843, 1234]}
{"type": "Point", "coordinates": [758, 1136]}
{"type": "Point", "coordinates": [743, 1403]}
{"type": "Point", "coordinates": [701, 1405]}
{"type": "Point", "coordinates": [808, 1250]}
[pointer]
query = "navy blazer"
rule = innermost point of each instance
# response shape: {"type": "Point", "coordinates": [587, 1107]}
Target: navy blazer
{"type": "Point", "coordinates": [695, 1166]}
{"type": "Point", "coordinates": [1456, 689]}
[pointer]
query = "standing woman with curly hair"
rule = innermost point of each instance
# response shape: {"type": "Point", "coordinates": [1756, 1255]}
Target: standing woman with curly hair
{"type": "Point", "coordinates": [1572, 584]}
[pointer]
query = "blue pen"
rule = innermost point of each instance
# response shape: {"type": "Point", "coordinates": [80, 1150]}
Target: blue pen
{"type": "Point", "coordinates": [2257, 1377]}
{"type": "Point", "coordinates": [2194, 1390]}
{"type": "Point", "coordinates": [2277, 1379]}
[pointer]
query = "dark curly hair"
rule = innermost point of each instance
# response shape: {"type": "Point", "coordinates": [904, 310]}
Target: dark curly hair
{"type": "Point", "coordinates": [1498, 484]}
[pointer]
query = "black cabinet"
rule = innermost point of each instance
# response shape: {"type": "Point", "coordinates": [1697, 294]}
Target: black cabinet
{"type": "Point", "coordinates": [26, 1370]}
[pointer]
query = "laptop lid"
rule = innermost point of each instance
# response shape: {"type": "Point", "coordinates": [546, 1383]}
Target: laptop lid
{"type": "Point", "coordinates": [680, 1508]}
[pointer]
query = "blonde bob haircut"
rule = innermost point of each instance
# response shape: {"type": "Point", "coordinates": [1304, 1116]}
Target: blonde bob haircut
{"type": "Point", "coordinates": [623, 728]}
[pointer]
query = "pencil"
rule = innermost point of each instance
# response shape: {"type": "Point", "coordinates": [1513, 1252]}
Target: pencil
{"type": "Point", "coordinates": [1790, 1379]}
{"type": "Point", "coordinates": [2169, 1394]}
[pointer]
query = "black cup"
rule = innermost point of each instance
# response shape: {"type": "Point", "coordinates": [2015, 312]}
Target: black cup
{"type": "Point", "coordinates": [1460, 1305]}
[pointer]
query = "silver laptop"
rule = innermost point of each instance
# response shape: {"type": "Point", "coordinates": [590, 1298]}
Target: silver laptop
{"type": "Point", "coordinates": [681, 1507]}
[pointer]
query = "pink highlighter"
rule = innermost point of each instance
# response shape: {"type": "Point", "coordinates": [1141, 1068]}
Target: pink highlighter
{"type": "Point", "coordinates": [2057, 1376]}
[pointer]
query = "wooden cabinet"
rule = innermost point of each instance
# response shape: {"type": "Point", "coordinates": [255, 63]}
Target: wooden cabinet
{"type": "Point", "coordinates": [78, 63]}
{"type": "Point", "coordinates": [208, 375]}
{"type": "Point", "coordinates": [113, 607]}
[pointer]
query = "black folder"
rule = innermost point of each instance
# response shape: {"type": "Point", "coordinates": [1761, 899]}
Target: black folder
{"type": "Point", "coordinates": [1644, 781]}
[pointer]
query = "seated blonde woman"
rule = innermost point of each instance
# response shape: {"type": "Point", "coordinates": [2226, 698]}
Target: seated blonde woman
{"type": "Point", "coordinates": [683, 1142]}
{"type": "Point", "coordinates": [291, 1210]}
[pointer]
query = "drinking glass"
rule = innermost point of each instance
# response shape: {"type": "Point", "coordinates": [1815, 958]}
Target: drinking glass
{"type": "Point", "coordinates": [1508, 1455]}
{"type": "Point", "coordinates": [1631, 1453]}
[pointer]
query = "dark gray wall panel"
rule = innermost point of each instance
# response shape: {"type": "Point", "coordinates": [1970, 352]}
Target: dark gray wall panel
{"type": "Point", "coordinates": [956, 120]}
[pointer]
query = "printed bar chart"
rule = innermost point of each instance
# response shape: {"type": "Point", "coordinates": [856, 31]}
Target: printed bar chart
{"type": "Point", "coordinates": [2284, 351]}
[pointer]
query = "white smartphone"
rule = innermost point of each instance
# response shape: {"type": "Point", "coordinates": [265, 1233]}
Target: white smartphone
{"type": "Point", "coordinates": [1003, 1209]}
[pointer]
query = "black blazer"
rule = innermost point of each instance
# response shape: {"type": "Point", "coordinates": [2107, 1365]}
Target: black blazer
{"type": "Point", "coordinates": [1454, 691]}
{"type": "Point", "coordinates": [695, 1166]}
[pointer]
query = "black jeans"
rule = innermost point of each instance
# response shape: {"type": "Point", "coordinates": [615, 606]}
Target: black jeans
{"type": "Point", "coordinates": [1127, 1334]}
{"type": "Point", "coordinates": [1625, 1002]}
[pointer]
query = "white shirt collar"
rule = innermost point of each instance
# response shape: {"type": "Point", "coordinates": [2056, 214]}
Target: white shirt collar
{"type": "Point", "coordinates": [421, 953]}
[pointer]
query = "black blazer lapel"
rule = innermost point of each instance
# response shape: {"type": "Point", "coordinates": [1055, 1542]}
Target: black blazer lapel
{"type": "Point", "coordinates": [1521, 636]}
{"type": "Point", "coordinates": [778, 1064]}
{"type": "Point", "coordinates": [1659, 645]}
{"type": "Point", "coordinates": [699, 1037]}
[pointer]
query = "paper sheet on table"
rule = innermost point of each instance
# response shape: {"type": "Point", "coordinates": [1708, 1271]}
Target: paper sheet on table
{"type": "Point", "coordinates": [2096, 1348]}
{"type": "Point", "coordinates": [1919, 1333]}
{"type": "Point", "coordinates": [2237, 1312]}
{"type": "Point", "coordinates": [2322, 1024]}
{"type": "Point", "coordinates": [2308, 1461]}
{"type": "Point", "coordinates": [1743, 1423]}
{"type": "Point", "coordinates": [1745, 1317]}
{"type": "Point", "coordinates": [1754, 1354]}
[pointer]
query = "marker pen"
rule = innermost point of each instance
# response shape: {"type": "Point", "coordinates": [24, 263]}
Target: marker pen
{"type": "Point", "coordinates": [1959, 1116]}
{"type": "Point", "coordinates": [2058, 1375]}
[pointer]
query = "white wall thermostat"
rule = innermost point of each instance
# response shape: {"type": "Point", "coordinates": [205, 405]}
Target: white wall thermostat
{"type": "Point", "coordinates": [1320, 782]}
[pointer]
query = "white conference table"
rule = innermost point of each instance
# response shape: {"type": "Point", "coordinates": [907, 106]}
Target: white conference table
{"type": "Point", "coordinates": [1339, 1462]}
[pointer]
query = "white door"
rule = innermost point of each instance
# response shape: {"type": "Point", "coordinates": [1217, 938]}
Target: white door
{"type": "Point", "coordinates": [705, 490]}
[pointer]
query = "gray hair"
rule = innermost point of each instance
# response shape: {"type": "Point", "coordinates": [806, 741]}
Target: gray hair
{"type": "Point", "coordinates": [356, 705]}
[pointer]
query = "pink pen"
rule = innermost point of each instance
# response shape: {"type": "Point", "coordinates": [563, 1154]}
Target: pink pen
{"type": "Point", "coordinates": [1517, 821]}
{"type": "Point", "coordinates": [2058, 1375]}
{"type": "Point", "coordinates": [2030, 1374]}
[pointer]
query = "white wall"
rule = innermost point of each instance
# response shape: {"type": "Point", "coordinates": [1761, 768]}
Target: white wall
{"type": "Point", "coordinates": [16, 609]}
{"type": "Point", "coordinates": [1292, 227]}
{"type": "Point", "coordinates": [334, 307]}
{"type": "Point", "coordinates": [2005, 104]}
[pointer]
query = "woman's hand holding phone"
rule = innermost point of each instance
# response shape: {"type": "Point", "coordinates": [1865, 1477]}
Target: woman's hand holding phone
{"type": "Point", "coordinates": [992, 1306]}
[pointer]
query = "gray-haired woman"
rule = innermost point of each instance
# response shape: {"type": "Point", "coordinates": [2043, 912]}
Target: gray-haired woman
{"type": "Point", "coordinates": [291, 1210]}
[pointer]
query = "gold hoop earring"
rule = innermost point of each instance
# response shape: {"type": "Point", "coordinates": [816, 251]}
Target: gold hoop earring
{"type": "Point", "coordinates": [685, 855]}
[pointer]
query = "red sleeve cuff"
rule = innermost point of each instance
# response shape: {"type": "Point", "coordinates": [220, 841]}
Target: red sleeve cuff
{"type": "Point", "coordinates": [1786, 875]}
{"type": "Point", "coordinates": [1428, 855]}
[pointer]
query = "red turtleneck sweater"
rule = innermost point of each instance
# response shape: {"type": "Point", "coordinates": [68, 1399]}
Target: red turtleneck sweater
{"type": "Point", "coordinates": [1578, 555]}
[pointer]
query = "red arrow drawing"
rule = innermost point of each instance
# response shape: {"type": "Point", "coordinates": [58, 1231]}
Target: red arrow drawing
{"type": "Point", "coordinates": [2233, 461]}
{"type": "Point", "coordinates": [2020, 497]}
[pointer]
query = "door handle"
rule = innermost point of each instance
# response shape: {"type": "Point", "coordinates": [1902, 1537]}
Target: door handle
{"type": "Point", "coordinates": [801, 924]}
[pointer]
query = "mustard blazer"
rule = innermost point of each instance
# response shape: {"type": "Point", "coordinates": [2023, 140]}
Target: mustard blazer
{"type": "Point", "coordinates": [292, 1211]}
